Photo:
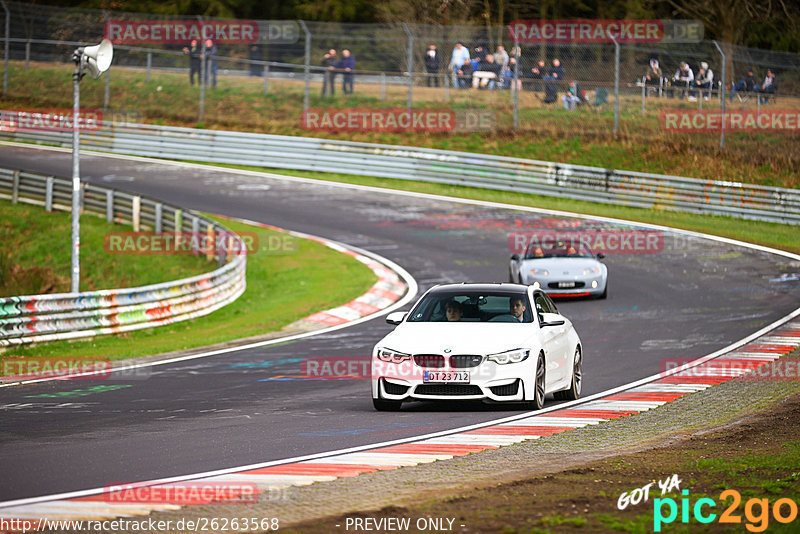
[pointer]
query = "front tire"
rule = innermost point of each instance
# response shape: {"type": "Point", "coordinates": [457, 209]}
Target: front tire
{"type": "Point", "coordinates": [574, 391]}
{"type": "Point", "coordinates": [538, 393]}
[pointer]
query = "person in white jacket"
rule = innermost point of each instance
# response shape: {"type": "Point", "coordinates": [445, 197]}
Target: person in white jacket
{"type": "Point", "coordinates": [683, 77]}
{"type": "Point", "coordinates": [459, 55]}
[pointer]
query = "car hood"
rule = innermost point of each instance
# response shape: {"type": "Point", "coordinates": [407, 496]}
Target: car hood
{"type": "Point", "coordinates": [460, 338]}
{"type": "Point", "coordinates": [559, 266]}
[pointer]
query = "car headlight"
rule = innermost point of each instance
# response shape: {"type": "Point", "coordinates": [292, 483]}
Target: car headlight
{"type": "Point", "coordinates": [509, 356]}
{"type": "Point", "coordinates": [392, 356]}
{"type": "Point", "coordinates": [593, 270]}
{"type": "Point", "coordinates": [540, 272]}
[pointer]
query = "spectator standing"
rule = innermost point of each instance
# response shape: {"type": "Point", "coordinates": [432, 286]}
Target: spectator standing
{"type": "Point", "coordinates": [683, 77]}
{"type": "Point", "coordinates": [487, 74]}
{"type": "Point", "coordinates": [501, 57]}
{"type": "Point", "coordinates": [769, 87]}
{"type": "Point", "coordinates": [703, 80]}
{"type": "Point", "coordinates": [432, 64]}
{"type": "Point", "coordinates": [457, 58]}
{"type": "Point", "coordinates": [255, 55]}
{"type": "Point", "coordinates": [746, 84]}
{"type": "Point", "coordinates": [348, 65]}
{"type": "Point", "coordinates": [329, 76]}
{"type": "Point", "coordinates": [195, 52]}
{"type": "Point", "coordinates": [574, 96]}
{"type": "Point", "coordinates": [553, 77]}
{"type": "Point", "coordinates": [211, 62]}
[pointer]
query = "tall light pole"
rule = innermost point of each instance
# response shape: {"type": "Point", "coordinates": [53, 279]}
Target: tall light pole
{"type": "Point", "coordinates": [94, 60]}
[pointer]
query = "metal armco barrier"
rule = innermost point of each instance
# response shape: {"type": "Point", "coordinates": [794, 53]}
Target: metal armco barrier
{"type": "Point", "coordinates": [578, 182]}
{"type": "Point", "coordinates": [37, 318]}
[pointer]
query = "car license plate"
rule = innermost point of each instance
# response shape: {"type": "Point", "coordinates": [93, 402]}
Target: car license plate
{"type": "Point", "coordinates": [566, 285]}
{"type": "Point", "coordinates": [447, 377]}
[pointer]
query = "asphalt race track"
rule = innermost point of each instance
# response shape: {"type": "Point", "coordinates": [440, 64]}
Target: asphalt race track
{"type": "Point", "coordinates": [690, 298]}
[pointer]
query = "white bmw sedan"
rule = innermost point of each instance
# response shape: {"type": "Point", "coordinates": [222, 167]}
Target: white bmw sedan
{"type": "Point", "coordinates": [493, 342]}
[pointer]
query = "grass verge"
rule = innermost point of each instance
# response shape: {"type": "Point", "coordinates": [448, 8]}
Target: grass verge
{"type": "Point", "coordinates": [284, 284]}
{"type": "Point", "coordinates": [780, 236]}
{"type": "Point", "coordinates": [756, 457]}
{"type": "Point", "coordinates": [35, 255]}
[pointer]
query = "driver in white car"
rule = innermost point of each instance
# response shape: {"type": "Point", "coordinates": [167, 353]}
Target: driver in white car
{"type": "Point", "coordinates": [453, 310]}
{"type": "Point", "coordinates": [517, 307]}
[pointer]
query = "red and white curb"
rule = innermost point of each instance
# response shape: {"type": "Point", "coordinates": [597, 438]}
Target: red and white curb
{"type": "Point", "coordinates": [748, 356]}
{"type": "Point", "coordinates": [386, 291]}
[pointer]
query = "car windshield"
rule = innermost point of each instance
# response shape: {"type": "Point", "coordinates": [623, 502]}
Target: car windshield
{"type": "Point", "coordinates": [474, 307]}
{"type": "Point", "coordinates": [558, 250]}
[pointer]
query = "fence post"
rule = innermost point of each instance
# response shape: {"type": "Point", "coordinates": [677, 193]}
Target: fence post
{"type": "Point", "coordinates": [722, 104]}
{"type": "Point", "coordinates": [195, 232]}
{"type": "Point", "coordinates": [107, 93]}
{"type": "Point", "coordinates": [109, 205]}
{"type": "Point", "coordinates": [410, 66]}
{"type": "Point", "coordinates": [15, 188]}
{"type": "Point", "coordinates": [150, 65]}
{"type": "Point", "coordinates": [307, 65]}
{"type": "Point", "coordinates": [515, 89]}
{"type": "Point", "coordinates": [446, 88]}
{"type": "Point", "coordinates": [616, 86]}
{"type": "Point", "coordinates": [201, 111]}
{"type": "Point", "coordinates": [383, 86]}
{"type": "Point", "coordinates": [136, 212]}
{"type": "Point", "coordinates": [27, 54]}
{"type": "Point", "coordinates": [48, 194]}
{"type": "Point", "coordinates": [159, 214]}
{"type": "Point", "coordinates": [211, 243]}
{"type": "Point", "coordinates": [644, 94]}
{"type": "Point", "coordinates": [266, 78]}
{"type": "Point", "coordinates": [7, 37]}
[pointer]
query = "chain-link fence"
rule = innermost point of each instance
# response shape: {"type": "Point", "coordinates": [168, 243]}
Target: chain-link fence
{"type": "Point", "coordinates": [287, 68]}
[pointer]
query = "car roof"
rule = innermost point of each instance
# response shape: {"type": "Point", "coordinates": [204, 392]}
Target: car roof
{"type": "Point", "coordinates": [503, 288]}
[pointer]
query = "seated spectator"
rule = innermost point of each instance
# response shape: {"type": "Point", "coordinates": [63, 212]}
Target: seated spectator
{"type": "Point", "coordinates": [704, 80]}
{"type": "Point", "coordinates": [654, 74]}
{"type": "Point", "coordinates": [553, 76]}
{"type": "Point", "coordinates": [508, 75]}
{"type": "Point", "coordinates": [745, 85]}
{"type": "Point", "coordinates": [537, 74]}
{"type": "Point", "coordinates": [487, 74]}
{"type": "Point", "coordinates": [767, 88]}
{"type": "Point", "coordinates": [683, 78]}
{"type": "Point", "coordinates": [574, 97]}
{"type": "Point", "coordinates": [464, 74]}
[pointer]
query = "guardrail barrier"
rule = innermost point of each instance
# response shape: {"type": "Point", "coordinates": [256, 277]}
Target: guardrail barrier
{"type": "Point", "coordinates": [38, 318]}
{"type": "Point", "coordinates": [773, 204]}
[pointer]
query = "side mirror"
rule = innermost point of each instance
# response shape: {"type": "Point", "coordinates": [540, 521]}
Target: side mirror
{"type": "Point", "coordinates": [515, 257]}
{"type": "Point", "coordinates": [600, 255]}
{"type": "Point", "coordinates": [396, 318]}
{"type": "Point", "coordinates": [551, 319]}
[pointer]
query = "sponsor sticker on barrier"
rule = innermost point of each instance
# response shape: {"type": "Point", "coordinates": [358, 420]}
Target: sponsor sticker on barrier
{"type": "Point", "coordinates": [606, 31]}
{"type": "Point", "coordinates": [746, 120]}
{"type": "Point", "coordinates": [49, 120]}
{"type": "Point", "coordinates": [61, 367]}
